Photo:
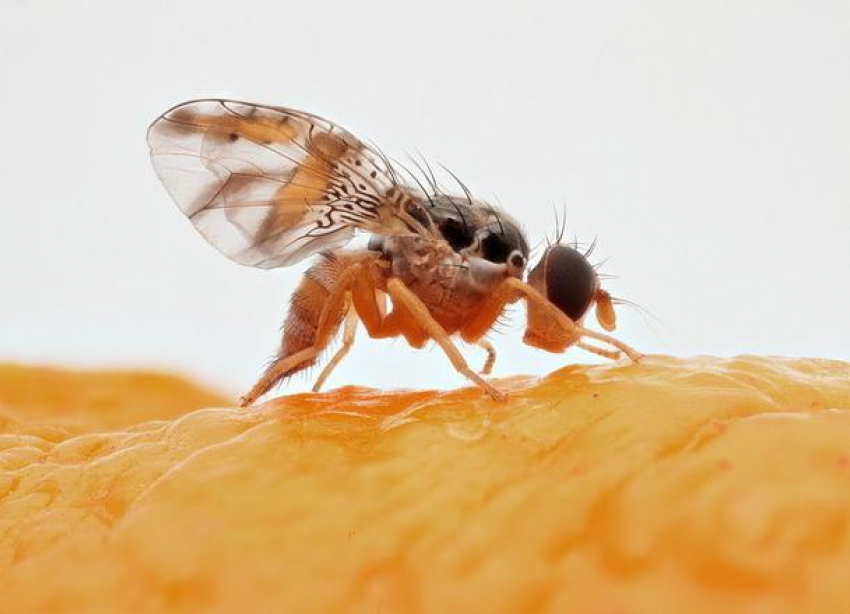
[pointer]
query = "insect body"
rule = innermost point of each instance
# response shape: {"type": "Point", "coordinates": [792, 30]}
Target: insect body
{"type": "Point", "coordinates": [270, 186]}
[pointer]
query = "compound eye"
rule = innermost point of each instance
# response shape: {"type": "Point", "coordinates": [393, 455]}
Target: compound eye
{"type": "Point", "coordinates": [456, 234]}
{"type": "Point", "coordinates": [570, 280]}
{"type": "Point", "coordinates": [495, 249]}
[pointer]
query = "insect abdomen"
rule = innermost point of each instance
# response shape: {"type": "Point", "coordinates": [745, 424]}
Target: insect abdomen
{"type": "Point", "coordinates": [306, 304]}
{"type": "Point", "coordinates": [317, 308]}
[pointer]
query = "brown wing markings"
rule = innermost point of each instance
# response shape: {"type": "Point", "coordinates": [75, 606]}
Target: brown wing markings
{"type": "Point", "coordinates": [220, 200]}
{"type": "Point", "coordinates": [310, 183]}
{"type": "Point", "coordinates": [257, 129]}
{"type": "Point", "coordinates": [324, 150]}
{"type": "Point", "coordinates": [313, 187]}
{"type": "Point", "coordinates": [214, 124]}
{"type": "Point", "coordinates": [261, 173]}
{"type": "Point", "coordinates": [331, 147]}
{"type": "Point", "coordinates": [342, 146]}
{"type": "Point", "coordinates": [207, 128]}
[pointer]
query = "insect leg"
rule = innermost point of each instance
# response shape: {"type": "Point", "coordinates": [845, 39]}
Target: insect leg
{"type": "Point", "coordinates": [598, 351]}
{"type": "Point", "coordinates": [278, 369]}
{"type": "Point", "coordinates": [370, 305]}
{"type": "Point", "coordinates": [563, 322]}
{"type": "Point", "coordinates": [347, 342]}
{"type": "Point", "coordinates": [325, 327]}
{"type": "Point", "coordinates": [491, 356]}
{"type": "Point", "coordinates": [402, 296]}
{"type": "Point", "coordinates": [629, 351]}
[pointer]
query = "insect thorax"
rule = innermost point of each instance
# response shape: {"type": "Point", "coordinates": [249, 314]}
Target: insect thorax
{"type": "Point", "coordinates": [451, 286]}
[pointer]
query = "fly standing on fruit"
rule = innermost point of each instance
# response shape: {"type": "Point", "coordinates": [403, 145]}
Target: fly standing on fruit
{"type": "Point", "coordinates": [270, 186]}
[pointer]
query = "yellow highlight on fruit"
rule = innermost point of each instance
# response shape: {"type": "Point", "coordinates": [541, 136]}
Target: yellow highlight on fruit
{"type": "Point", "coordinates": [698, 485]}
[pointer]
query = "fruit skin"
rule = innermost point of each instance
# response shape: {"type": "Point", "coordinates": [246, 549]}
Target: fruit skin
{"type": "Point", "coordinates": [699, 484]}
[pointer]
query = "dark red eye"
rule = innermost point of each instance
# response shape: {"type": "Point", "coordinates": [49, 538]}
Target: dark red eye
{"type": "Point", "coordinates": [569, 280]}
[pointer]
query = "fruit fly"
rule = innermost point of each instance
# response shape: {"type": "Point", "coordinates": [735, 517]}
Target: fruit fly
{"type": "Point", "coordinates": [270, 186]}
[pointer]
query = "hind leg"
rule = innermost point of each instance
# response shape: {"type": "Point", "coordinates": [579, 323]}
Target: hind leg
{"type": "Point", "coordinates": [347, 342]}
{"type": "Point", "coordinates": [276, 370]}
{"type": "Point", "coordinates": [325, 329]}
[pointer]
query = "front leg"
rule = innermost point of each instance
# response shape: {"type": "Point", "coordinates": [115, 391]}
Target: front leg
{"type": "Point", "coordinates": [564, 326]}
{"type": "Point", "coordinates": [405, 302]}
{"type": "Point", "coordinates": [552, 330]}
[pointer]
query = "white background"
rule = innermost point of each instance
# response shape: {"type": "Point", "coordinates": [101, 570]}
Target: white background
{"type": "Point", "coordinates": [707, 144]}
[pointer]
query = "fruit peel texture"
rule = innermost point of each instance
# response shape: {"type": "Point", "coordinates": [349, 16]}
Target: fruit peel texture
{"type": "Point", "coordinates": [701, 484]}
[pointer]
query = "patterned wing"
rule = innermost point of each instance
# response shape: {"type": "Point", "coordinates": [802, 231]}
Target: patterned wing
{"type": "Point", "coordinates": [270, 186]}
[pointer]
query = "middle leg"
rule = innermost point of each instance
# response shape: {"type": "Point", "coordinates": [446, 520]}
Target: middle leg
{"type": "Point", "coordinates": [403, 297]}
{"type": "Point", "coordinates": [491, 356]}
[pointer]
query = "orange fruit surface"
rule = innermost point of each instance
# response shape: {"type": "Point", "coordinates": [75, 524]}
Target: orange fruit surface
{"type": "Point", "coordinates": [675, 485]}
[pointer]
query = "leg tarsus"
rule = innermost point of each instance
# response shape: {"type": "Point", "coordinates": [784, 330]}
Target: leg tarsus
{"type": "Point", "coordinates": [633, 354]}
{"type": "Point", "coordinates": [280, 367]}
{"type": "Point", "coordinates": [491, 356]}
{"type": "Point", "coordinates": [495, 394]}
{"type": "Point", "coordinates": [599, 351]}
